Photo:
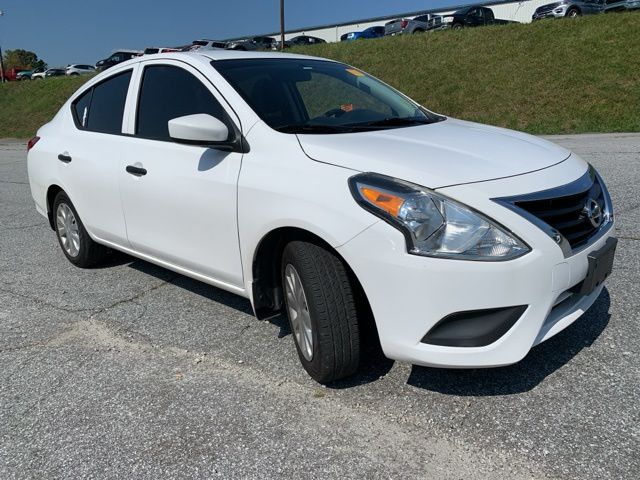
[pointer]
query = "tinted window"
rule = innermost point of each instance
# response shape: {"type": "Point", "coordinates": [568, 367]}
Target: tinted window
{"type": "Point", "coordinates": [81, 108]}
{"type": "Point", "coordinates": [422, 18]}
{"type": "Point", "coordinates": [107, 104]}
{"type": "Point", "coordinates": [170, 92]}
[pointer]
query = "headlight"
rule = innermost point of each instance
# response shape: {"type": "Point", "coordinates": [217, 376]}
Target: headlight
{"type": "Point", "coordinates": [434, 225]}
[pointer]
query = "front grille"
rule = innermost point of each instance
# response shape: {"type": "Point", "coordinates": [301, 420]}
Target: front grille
{"type": "Point", "coordinates": [569, 214]}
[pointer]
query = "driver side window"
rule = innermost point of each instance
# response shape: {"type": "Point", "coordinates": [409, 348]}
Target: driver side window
{"type": "Point", "coordinates": [169, 92]}
{"type": "Point", "coordinates": [324, 93]}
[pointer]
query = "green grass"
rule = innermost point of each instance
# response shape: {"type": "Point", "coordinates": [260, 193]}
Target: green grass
{"type": "Point", "coordinates": [26, 105]}
{"type": "Point", "coordinates": [565, 76]}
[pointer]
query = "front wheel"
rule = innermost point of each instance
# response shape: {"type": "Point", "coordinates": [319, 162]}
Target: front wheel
{"type": "Point", "coordinates": [573, 12]}
{"type": "Point", "coordinates": [76, 244]}
{"type": "Point", "coordinates": [322, 312]}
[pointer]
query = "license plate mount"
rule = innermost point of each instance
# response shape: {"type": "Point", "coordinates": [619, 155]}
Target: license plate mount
{"type": "Point", "coordinates": [600, 266]}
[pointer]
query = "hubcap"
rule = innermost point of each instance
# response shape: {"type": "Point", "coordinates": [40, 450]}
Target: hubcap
{"type": "Point", "coordinates": [67, 227]}
{"type": "Point", "coordinates": [298, 312]}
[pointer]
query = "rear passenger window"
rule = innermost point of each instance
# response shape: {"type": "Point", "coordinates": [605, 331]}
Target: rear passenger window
{"type": "Point", "coordinates": [101, 108]}
{"type": "Point", "coordinates": [107, 104]}
{"type": "Point", "coordinates": [169, 92]}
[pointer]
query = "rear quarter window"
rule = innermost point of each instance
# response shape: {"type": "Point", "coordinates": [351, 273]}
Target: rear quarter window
{"type": "Point", "coordinates": [101, 108]}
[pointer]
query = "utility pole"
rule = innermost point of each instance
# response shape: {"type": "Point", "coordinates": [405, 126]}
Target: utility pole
{"type": "Point", "coordinates": [281, 25]}
{"type": "Point", "coordinates": [1, 59]}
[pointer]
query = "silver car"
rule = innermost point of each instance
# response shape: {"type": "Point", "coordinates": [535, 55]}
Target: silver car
{"type": "Point", "coordinates": [569, 8]}
{"type": "Point", "coordinates": [419, 24]}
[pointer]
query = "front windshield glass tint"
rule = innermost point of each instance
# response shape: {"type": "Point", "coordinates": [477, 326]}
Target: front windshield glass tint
{"type": "Point", "coordinates": [315, 96]}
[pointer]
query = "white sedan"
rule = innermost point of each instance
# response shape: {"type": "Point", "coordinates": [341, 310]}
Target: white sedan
{"type": "Point", "coordinates": [312, 188]}
{"type": "Point", "coordinates": [79, 69]}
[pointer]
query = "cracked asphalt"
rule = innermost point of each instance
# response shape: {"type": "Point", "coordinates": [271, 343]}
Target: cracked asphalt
{"type": "Point", "coordinates": [132, 371]}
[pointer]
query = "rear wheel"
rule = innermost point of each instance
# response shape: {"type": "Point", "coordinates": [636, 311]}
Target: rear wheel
{"type": "Point", "coordinates": [321, 308]}
{"type": "Point", "coordinates": [73, 238]}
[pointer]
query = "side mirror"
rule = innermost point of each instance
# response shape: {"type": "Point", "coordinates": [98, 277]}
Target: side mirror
{"type": "Point", "coordinates": [200, 129]}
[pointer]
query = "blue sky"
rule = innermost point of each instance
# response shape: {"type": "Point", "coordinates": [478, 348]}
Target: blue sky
{"type": "Point", "coordinates": [84, 31]}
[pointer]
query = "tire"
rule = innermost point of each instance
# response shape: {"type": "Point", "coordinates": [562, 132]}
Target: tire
{"type": "Point", "coordinates": [418, 30]}
{"type": "Point", "coordinates": [573, 12]}
{"type": "Point", "coordinates": [457, 26]}
{"type": "Point", "coordinates": [331, 313]}
{"type": "Point", "coordinates": [74, 74]}
{"type": "Point", "coordinates": [75, 242]}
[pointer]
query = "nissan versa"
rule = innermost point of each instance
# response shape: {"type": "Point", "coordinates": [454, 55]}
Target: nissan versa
{"type": "Point", "coordinates": [310, 187]}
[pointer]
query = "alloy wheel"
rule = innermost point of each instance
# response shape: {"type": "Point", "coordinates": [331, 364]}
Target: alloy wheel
{"type": "Point", "coordinates": [67, 228]}
{"type": "Point", "coordinates": [298, 312]}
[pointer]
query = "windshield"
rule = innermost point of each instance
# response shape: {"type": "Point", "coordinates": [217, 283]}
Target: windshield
{"type": "Point", "coordinates": [316, 96]}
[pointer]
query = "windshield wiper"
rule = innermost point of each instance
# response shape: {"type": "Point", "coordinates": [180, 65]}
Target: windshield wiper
{"type": "Point", "coordinates": [311, 128]}
{"type": "Point", "coordinates": [392, 122]}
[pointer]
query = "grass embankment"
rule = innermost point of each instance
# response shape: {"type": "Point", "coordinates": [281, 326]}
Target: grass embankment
{"type": "Point", "coordinates": [565, 76]}
{"type": "Point", "coordinates": [26, 105]}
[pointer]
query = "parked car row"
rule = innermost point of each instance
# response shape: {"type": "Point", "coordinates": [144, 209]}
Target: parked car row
{"type": "Point", "coordinates": [465, 17]}
{"type": "Point", "coordinates": [41, 73]}
{"type": "Point", "coordinates": [576, 8]}
{"type": "Point", "coordinates": [474, 16]}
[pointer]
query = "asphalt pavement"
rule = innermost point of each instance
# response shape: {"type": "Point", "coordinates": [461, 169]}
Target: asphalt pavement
{"type": "Point", "coordinates": [133, 371]}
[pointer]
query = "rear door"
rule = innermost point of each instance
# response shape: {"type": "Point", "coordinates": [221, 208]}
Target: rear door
{"type": "Point", "coordinates": [89, 156]}
{"type": "Point", "coordinates": [183, 209]}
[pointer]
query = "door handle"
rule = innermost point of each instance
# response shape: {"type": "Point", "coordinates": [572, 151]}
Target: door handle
{"type": "Point", "coordinates": [137, 171]}
{"type": "Point", "coordinates": [64, 158]}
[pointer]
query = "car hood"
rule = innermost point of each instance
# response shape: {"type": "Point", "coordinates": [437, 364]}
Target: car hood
{"type": "Point", "coordinates": [446, 153]}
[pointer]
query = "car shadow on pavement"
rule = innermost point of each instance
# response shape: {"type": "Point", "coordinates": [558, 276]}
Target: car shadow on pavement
{"type": "Point", "coordinates": [194, 286]}
{"type": "Point", "coordinates": [375, 364]}
{"type": "Point", "coordinates": [114, 258]}
{"type": "Point", "coordinates": [542, 360]}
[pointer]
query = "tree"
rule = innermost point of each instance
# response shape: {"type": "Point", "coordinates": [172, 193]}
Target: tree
{"type": "Point", "coordinates": [22, 59]}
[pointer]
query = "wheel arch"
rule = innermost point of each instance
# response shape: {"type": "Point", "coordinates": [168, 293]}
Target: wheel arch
{"type": "Point", "coordinates": [52, 192]}
{"type": "Point", "coordinates": [266, 285]}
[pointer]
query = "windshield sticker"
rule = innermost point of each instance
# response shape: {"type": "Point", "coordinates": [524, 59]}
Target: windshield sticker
{"type": "Point", "coordinates": [355, 72]}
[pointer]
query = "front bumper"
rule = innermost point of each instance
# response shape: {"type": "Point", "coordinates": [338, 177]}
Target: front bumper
{"type": "Point", "coordinates": [410, 294]}
{"type": "Point", "coordinates": [561, 12]}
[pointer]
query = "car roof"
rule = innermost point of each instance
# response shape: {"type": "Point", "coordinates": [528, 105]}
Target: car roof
{"type": "Point", "coordinates": [199, 57]}
{"type": "Point", "coordinates": [219, 54]}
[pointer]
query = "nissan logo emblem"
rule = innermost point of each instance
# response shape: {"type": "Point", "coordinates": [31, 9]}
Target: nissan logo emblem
{"type": "Point", "coordinates": [593, 212]}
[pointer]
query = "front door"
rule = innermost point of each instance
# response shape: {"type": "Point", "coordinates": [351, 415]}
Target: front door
{"type": "Point", "coordinates": [179, 200]}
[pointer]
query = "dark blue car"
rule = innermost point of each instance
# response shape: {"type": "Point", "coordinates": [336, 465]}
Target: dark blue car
{"type": "Point", "coordinates": [371, 32]}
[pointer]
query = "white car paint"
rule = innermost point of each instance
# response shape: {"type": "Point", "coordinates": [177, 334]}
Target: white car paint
{"type": "Point", "coordinates": [204, 211]}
